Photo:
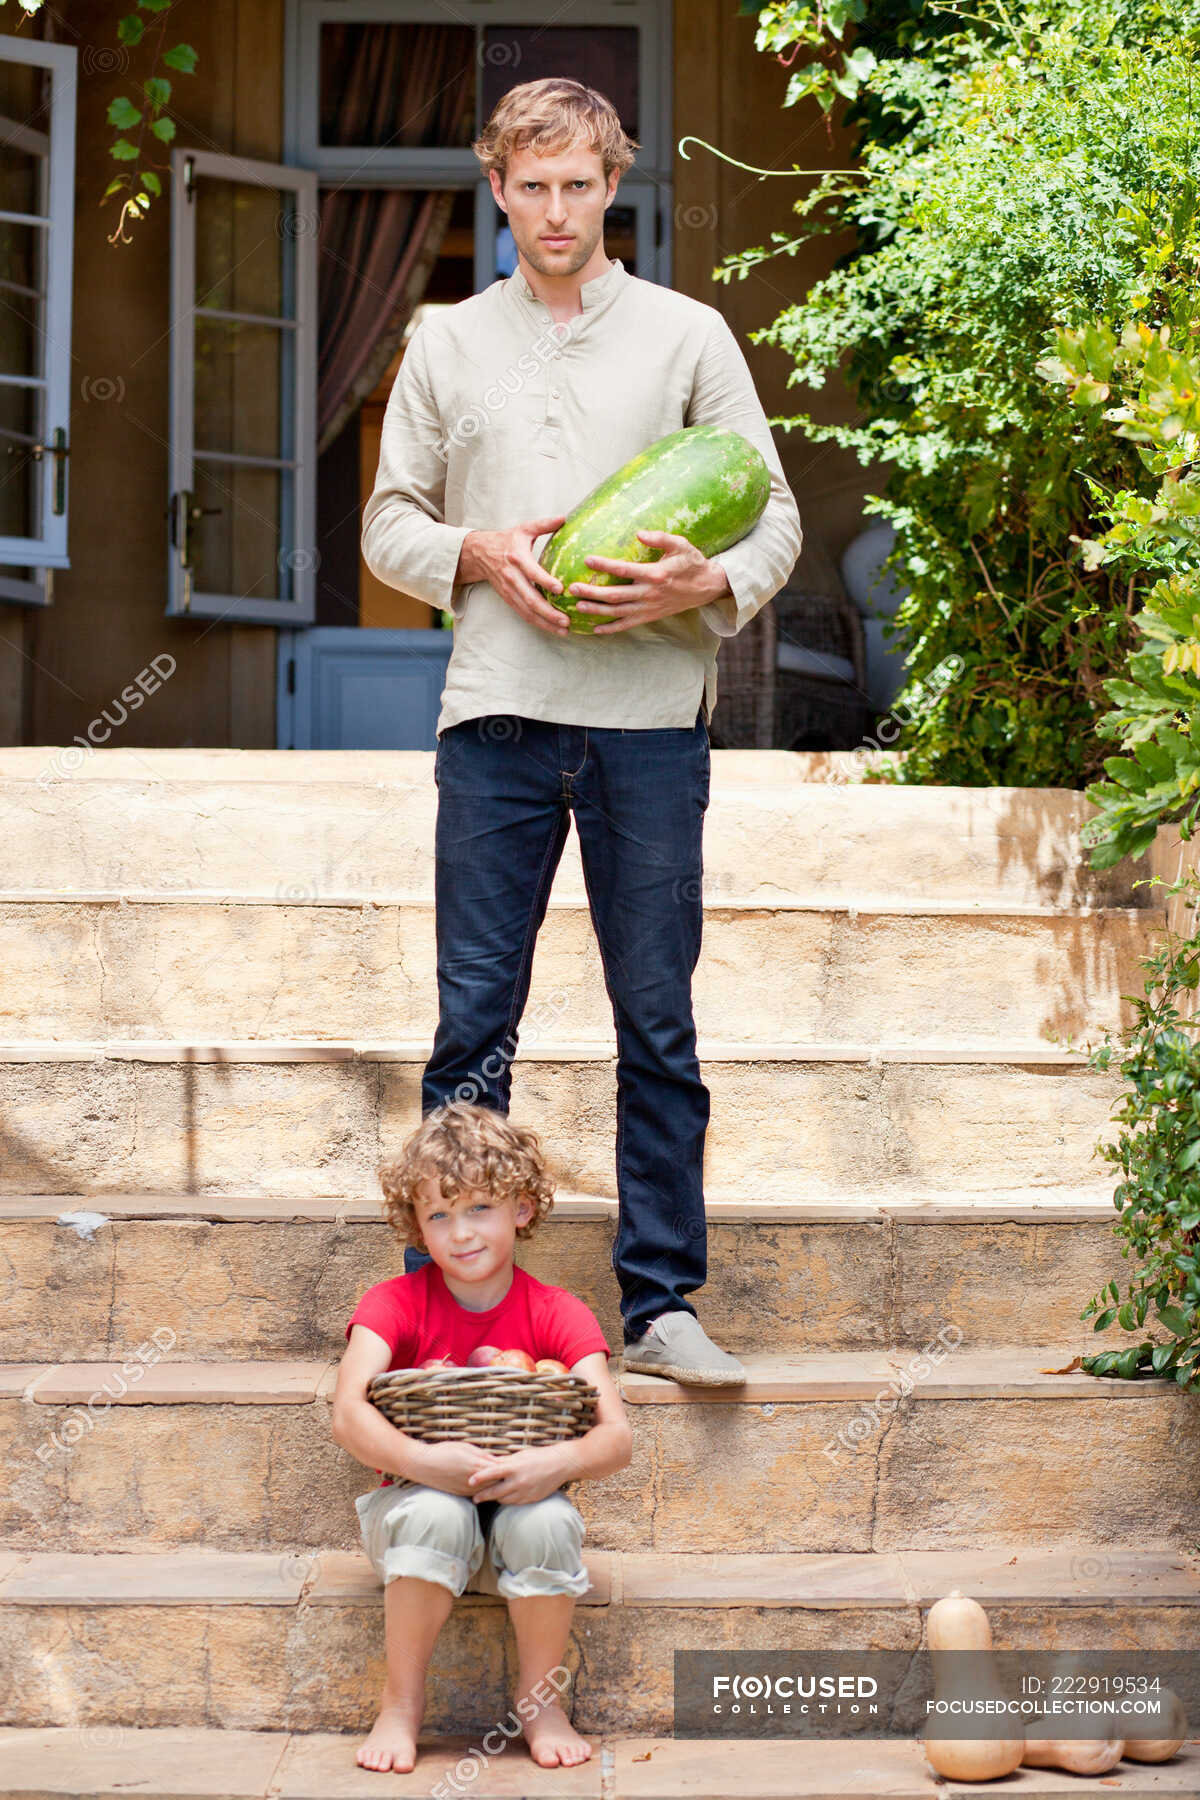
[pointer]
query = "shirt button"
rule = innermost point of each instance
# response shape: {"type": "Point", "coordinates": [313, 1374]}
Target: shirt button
{"type": "Point", "coordinates": [554, 393]}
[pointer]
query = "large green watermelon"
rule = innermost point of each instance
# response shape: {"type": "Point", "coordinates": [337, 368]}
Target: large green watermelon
{"type": "Point", "coordinates": [706, 483]}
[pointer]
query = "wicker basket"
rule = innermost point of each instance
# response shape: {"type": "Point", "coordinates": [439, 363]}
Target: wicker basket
{"type": "Point", "coordinates": [761, 706]}
{"type": "Point", "coordinates": [500, 1410]}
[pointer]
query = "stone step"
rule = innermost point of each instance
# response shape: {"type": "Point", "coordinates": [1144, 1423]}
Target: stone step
{"type": "Point", "coordinates": [136, 969]}
{"type": "Point", "coordinates": [854, 1274]}
{"type": "Point", "coordinates": [848, 1451]}
{"type": "Point", "coordinates": [294, 1642]}
{"type": "Point", "coordinates": [311, 824]}
{"type": "Point", "coordinates": [294, 1118]}
{"type": "Point", "coordinates": [109, 1762]}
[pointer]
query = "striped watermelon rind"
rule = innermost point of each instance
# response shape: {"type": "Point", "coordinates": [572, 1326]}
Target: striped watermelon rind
{"type": "Point", "coordinates": [706, 483]}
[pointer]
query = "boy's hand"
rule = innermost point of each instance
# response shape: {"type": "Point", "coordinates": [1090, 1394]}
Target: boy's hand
{"type": "Point", "coordinates": [450, 1466]}
{"type": "Point", "coordinates": [521, 1477]}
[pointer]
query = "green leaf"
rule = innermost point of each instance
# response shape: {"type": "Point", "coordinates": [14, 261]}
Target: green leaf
{"type": "Point", "coordinates": [181, 57]}
{"type": "Point", "coordinates": [1128, 1363]}
{"type": "Point", "coordinates": [164, 129]}
{"type": "Point", "coordinates": [123, 113]}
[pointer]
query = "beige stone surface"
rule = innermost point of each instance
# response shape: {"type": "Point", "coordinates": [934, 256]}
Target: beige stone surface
{"type": "Point", "coordinates": [309, 1667]}
{"type": "Point", "coordinates": [862, 1278]}
{"type": "Point", "coordinates": [107, 1762]}
{"type": "Point", "coordinates": [780, 1769]}
{"type": "Point", "coordinates": [9, 1560]}
{"type": "Point", "coordinates": [772, 1578]}
{"type": "Point", "coordinates": [1067, 1576]}
{"type": "Point", "coordinates": [1179, 1776]}
{"type": "Point", "coordinates": [317, 1127]}
{"type": "Point", "coordinates": [338, 1577]}
{"type": "Point", "coordinates": [1075, 1203]}
{"type": "Point", "coordinates": [182, 1578]}
{"type": "Point", "coordinates": [958, 1474]}
{"type": "Point", "coordinates": [984, 1445]}
{"type": "Point", "coordinates": [884, 972]}
{"type": "Point", "coordinates": [16, 1378]}
{"type": "Point", "coordinates": [168, 1384]}
{"type": "Point", "coordinates": [92, 970]}
{"type": "Point", "coordinates": [302, 825]}
{"type": "Point", "coordinates": [771, 1375]}
{"type": "Point", "coordinates": [110, 1762]}
{"type": "Point", "coordinates": [229, 1477]}
{"type": "Point", "coordinates": [322, 1767]}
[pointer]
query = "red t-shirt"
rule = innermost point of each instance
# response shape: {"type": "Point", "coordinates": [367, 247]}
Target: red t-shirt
{"type": "Point", "coordinates": [417, 1317]}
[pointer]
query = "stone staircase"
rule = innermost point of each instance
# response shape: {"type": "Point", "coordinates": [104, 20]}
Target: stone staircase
{"type": "Point", "coordinates": [219, 995]}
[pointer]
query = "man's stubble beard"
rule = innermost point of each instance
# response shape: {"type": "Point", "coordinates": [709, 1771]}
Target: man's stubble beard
{"type": "Point", "coordinates": [546, 264]}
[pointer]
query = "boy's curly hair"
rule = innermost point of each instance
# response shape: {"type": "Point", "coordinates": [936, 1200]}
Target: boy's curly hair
{"type": "Point", "coordinates": [548, 117]}
{"type": "Point", "coordinates": [464, 1146]}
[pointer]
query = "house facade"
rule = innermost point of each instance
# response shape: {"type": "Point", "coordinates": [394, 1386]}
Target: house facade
{"type": "Point", "coordinates": [195, 413]}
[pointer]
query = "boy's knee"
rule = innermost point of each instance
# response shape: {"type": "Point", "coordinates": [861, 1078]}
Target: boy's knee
{"type": "Point", "coordinates": [541, 1534]}
{"type": "Point", "coordinates": [422, 1531]}
{"type": "Point", "coordinates": [440, 1520]}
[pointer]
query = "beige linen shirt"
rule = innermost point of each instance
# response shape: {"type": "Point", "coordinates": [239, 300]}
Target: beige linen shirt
{"type": "Point", "coordinates": [498, 414]}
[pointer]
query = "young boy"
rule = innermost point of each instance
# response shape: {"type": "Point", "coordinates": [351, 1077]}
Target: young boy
{"type": "Point", "coordinates": [466, 1183]}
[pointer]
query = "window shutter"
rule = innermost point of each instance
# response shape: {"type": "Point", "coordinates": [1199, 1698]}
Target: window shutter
{"type": "Point", "coordinates": [242, 510]}
{"type": "Point", "coordinates": [37, 222]}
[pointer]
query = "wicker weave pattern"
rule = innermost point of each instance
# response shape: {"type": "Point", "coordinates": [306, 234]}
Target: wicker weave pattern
{"type": "Point", "coordinates": [500, 1410]}
{"type": "Point", "coordinates": [762, 707]}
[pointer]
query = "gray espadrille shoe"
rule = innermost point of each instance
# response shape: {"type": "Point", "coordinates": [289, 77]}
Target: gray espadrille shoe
{"type": "Point", "coordinates": [677, 1345]}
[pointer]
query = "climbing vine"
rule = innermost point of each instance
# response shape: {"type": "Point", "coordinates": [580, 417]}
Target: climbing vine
{"type": "Point", "coordinates": [140, 129]}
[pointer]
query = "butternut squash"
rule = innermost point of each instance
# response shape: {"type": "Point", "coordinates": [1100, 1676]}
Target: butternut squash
{"type": "Point", "coordinates": [1082, 1756]}
{"type": "Point", "coordinates": [1159, 1749]}
{"type": "Point", "coordinates": [957, 1622]}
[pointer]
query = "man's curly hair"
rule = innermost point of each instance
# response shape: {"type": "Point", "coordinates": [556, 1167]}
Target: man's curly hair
{"type": "Point", "coordinates": [550, 116]}
{"type": "Point", "coordinates": [465, 1146]}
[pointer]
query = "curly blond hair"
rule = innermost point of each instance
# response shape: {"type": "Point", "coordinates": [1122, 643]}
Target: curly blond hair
{"type": "Point", "coordinates": [466, 1146]}
{"type": "Point", "coordinates": [550, 116]}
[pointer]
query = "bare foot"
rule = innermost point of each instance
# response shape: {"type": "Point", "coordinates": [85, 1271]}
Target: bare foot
{"type": "Point", "coordinates": [553, 1739]}
{"type": "Point", "coordinates": [393, 1740]}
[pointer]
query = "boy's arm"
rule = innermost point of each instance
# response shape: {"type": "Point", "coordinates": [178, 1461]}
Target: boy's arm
{"type": "Point", "coordinates": [608, 1446]}
{"type": "Point", "coordinates": [357, 1423]}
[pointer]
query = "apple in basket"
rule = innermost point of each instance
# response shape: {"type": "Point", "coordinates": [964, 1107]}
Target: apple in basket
{"type": "Point", "coordinates": [438, 1362]}
{"type": "Point", "coordinates": [514, 1359]}
{"type": "Point", "coordinates": [550, 1365]}
{"type": "Point", "coordinates": [482, 1356]}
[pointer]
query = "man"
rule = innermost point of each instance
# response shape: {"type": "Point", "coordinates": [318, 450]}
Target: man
{"type": "Point", "coordinates": [514, 404]}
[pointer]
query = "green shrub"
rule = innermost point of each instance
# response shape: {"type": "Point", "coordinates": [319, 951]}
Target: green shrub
{"type": "Point", "coordinates": [1029, 183]}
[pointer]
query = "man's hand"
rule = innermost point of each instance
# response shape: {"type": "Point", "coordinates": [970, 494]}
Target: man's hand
{"type": "Point", "coordinates": [505, 559]}
{"type": "Point", "coordinates": [522, 1476]}
{"type": "Point", "coordinates": [683, 577]}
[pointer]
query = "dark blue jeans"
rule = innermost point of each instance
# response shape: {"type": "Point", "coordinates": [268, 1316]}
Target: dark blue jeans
{"type": "Point", "coordinates": [506, 785]}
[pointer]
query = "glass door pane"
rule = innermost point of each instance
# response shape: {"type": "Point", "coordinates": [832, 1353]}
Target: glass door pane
{"type": "Point", "coordinates": [243, 398]}
{"type": "Point", "coordinates": [37, 153]}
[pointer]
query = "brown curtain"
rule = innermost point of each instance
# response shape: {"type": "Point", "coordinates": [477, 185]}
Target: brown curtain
{"type": "Point", "coordinates": [382, 85]}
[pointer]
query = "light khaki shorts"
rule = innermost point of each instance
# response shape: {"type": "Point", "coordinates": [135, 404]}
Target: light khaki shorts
{"type": "Point", "coordinates": [424, 1531]}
